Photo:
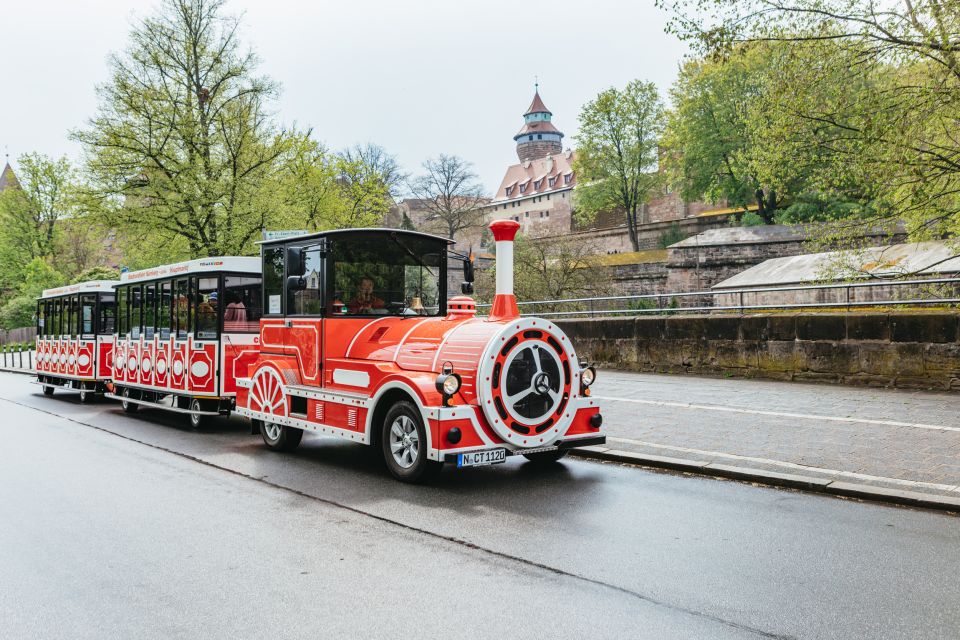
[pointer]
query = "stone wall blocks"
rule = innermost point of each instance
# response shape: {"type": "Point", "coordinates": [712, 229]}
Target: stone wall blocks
{"type": "Point", "coordinates": [868, 326]}
{"type": "Point", "coordinates": [821, 326]}
{"type": "Point", "coordinates": [923, 327]}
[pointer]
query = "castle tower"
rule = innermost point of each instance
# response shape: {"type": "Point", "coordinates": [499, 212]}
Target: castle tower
{"type": "Point", "coordinates": [538, 138]}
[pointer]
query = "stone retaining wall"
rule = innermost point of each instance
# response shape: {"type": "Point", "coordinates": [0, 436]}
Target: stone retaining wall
{"type": "Point", "coordinates": [909, 350]}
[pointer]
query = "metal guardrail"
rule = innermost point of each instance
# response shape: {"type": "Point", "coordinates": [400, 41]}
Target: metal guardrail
{"type": "Point", "coordinates": [665, 303]}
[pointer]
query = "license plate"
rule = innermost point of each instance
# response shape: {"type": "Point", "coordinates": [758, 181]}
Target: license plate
{"type": "Point", "coordinates": [481, 458]}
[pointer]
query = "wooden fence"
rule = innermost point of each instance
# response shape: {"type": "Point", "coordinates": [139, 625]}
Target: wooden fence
{"type": "Point", "coordinates": [18, 336]}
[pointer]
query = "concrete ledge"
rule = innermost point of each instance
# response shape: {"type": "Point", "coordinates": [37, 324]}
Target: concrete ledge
{"type": "Point", "coordinates": [915, 350]}
{"type": "Point", "coordinates": [775, 479]}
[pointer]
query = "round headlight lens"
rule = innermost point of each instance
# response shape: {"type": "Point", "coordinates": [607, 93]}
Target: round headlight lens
{"type": "Point", "coordinates": [587, 376]}
{"type": "Point", "coordinates": [451, 384]}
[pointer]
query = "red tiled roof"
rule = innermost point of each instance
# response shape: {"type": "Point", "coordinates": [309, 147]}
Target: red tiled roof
{"type": "Point", "coordinates": [555, 166]}
{"type": "Point", "coordinates": [537, 105]}
{"type": "Point", "coordinates": [537, 127]}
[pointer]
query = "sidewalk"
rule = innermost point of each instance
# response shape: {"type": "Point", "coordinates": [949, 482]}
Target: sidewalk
{"type": "Point", "coordinates": [892, 445]}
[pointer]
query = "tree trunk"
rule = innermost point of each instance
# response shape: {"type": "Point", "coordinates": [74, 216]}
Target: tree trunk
{"type": "Point", "coordinates": [632, 228]}
{"type": "Point", "coordinates": [766, 204]}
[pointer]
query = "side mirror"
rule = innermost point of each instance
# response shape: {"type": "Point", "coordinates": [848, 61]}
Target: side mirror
{"type": "Point", "coordinates": [296, 261]}
{"type": "Point", "coordinates": [468, 270]}
{"type": "Point", "coordinates": [296, 283]}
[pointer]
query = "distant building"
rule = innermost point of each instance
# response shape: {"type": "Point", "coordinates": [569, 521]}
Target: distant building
{"type": "Point", "coordinates": [8, 180]}
{"type": "Point", "coordinates": [537, 191]}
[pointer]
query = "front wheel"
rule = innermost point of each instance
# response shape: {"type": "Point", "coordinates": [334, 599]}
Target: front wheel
{"type": "Point", "coordinates": [126, 404]}
{"type": "Point", "coordinates": [279, 437]}
{"type": "Point", "coordinates": [403, 440]}
{"type": "Point", "coordinates": [47, 391]}
{"type": "Point", "coordinates": [546, 457]}
{"type": "Point", "coordinates": [85, 395]}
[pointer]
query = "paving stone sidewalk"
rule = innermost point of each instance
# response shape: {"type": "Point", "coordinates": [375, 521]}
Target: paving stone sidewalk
{"type": "Point", "coordinates": [887, 440]}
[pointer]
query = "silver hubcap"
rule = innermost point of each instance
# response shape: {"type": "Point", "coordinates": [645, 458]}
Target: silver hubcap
{"type": "Point", "coordinates": [272, 430]}
{"type": "Point", "coordinates": [404, 442]}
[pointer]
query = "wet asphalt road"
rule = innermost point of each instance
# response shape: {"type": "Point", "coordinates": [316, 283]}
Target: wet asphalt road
{"type": "Point", "coordinates": [119, 526]}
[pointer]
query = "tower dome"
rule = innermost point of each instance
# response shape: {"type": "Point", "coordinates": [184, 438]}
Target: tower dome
{"type": "Point", "coordinates": [538, 138]}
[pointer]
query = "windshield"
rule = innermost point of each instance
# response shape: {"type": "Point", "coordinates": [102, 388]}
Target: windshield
{"type": "Point", "coordinates": [387, 274]}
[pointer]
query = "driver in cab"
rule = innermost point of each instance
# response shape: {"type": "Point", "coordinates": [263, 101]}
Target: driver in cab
{"type": "Point", "coordinates": [365, 301]}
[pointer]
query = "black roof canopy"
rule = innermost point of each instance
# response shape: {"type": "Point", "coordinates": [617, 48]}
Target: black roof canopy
{"type": "Point", "coordinates": [332, 233]}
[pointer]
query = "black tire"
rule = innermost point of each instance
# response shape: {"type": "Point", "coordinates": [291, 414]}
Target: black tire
{"type": "Point", "coordinates": [419, 469]}
{"type": "Point", "coordinates": [48, 391]}
{"type": "Point", "coordinates": [86, 395]}
{"type": "Point", "coordinates": [128, 407]}
{"type": "Point", "coordinates": [546, 457]}
{"type": "Point", "coordinates": [197, 421]}
{"type": "Point", "coordinates": [286, 439]}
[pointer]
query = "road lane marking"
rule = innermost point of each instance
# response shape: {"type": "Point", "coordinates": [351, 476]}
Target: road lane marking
{"type": "Point", "coordinates": [780, 414]}
{"type": "Point", "coordinates": [789, 465]}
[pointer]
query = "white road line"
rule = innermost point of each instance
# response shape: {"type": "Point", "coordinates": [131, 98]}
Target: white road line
{"type": "Point", "coordinates": [791, 465]}
{"type": "Point", "coordinates": [780, 414]}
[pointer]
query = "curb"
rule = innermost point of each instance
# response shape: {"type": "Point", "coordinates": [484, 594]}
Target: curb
{"type": "Point", "coordinates": [772, 478]}
{"type": "Point", "coordinates": [26, 372]}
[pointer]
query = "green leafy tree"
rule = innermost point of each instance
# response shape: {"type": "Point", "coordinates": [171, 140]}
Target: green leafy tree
{"type": "Point", "coordinates": [20, 308]}
{"type": "Point", "coordinates": [617, 152]}
{"type": "Point", "coordinates": [316, 189]}
{"type": "Point", "coordinates": [183, 137]}
{"type": "Point", "coordinates": [31, 216]}
{"type": "Point", "coordinates": [96, 273]}
{"type": "Point", "coordinates": [873, 90]}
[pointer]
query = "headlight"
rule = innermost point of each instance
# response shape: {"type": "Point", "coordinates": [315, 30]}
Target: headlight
{"type": "Point", "coordinates": [587, 376]}
{"type": "Point", "coordinates": [448, 383]}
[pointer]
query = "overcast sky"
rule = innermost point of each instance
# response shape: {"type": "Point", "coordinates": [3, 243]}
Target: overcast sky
{"type": "Point", "coordinates": [418, 77]}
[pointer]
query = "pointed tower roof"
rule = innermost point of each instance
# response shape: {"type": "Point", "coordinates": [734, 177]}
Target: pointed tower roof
{"type": "Point", "coordinates": [8, 180]}
{"type": "Point", "coordinates": [537, 105]}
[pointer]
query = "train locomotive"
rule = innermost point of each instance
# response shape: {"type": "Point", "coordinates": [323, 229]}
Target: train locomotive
{"type": "Point", "coordinates": [359, 340]}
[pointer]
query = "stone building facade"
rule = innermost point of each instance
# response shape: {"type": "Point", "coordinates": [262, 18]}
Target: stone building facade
{"type": "Point", "coordinates": [538, 193]}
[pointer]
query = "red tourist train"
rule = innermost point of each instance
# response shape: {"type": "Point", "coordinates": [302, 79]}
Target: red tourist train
{"type": "Point", "coordinates": [185, 332]}
{"type": "Point", "coordinates": [358, 340]}
{"type": "Point", "coordinates": [348, 333]}
{"type": "Point", "coordinates": [75, 326]}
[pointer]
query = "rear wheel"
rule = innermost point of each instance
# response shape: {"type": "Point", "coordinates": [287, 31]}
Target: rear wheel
{"type": "Point", "coordinates": [197, 421]}
{"type": "Point", "coordinates": [546, 457]}
{"type": "Point", "coordinates": [279, 437]}
{"type": "Point", "coordinates": [47, 391]}
{"type": "Point", "coordinates": [128, 407]}
{"type": "Point", "coordinates": [403, 440]}
{"type": "Point", "coordinates": [85, 395]}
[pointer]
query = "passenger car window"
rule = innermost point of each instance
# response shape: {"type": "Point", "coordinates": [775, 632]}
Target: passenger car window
{"type": "Point", "coordinates": [206, 305]}
{"type": "Point", "coordinates": [242, 296]}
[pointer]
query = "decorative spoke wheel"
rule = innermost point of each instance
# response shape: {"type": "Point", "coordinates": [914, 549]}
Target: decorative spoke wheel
{"type": "Point", "coordinates": [404, 442]}
{"type": "Point", "coordinates": [267, 396]}
{"type": "Point", "coordinates": [266, 393]}
{"type": "Point", "coordinates": [526, 381]}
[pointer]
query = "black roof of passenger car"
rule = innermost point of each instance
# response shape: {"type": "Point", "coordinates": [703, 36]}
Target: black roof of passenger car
{"type": "Point", "coordinates": [333, 232]}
